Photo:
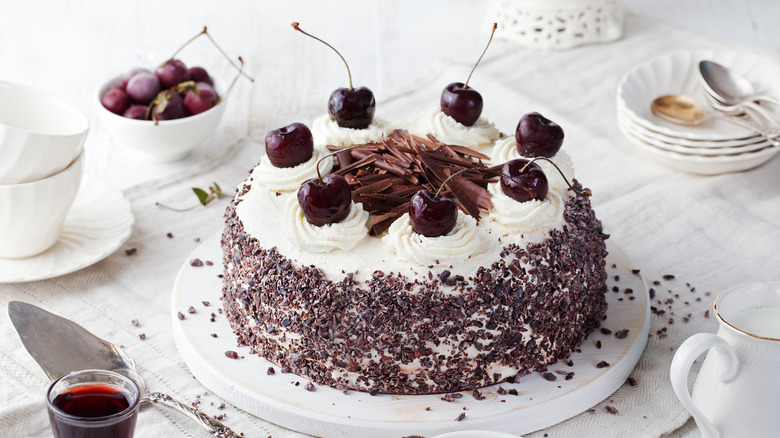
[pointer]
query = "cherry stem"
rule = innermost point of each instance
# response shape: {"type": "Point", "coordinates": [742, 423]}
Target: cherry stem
{"type": "Point", "coordinates": [296, 26]}
{"type": "Point", "coordinates": [205, 32]}
{"type": "Point", "coordinates": [585, 192]}
{"type": "Point", "coordinates": [495, 26]}
{"type": "Point", "coordinates": [444, 183]}
{"type": "Point", "coordinates": [331, 155]}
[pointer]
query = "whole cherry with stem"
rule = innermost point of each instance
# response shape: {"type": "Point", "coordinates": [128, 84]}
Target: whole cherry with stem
{"type": "Point", "coordinates": [290, 145]}
{"type": "Point", "coordinates": [537, 136]}
{"type": "Point", "coordinates": [433, 215]}
{"type": "Point", "coordinates": [349, 107]}
{"type": "Point", "coordinates": [326, 200]}
{"type": "Point", "coordinates": [523, 180]}
{"type": "Point", "coordinates": [461, 102]}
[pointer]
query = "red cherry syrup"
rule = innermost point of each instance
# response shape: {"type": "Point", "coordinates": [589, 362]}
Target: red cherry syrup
{"type": "Point", "coordinates": [90, 402]}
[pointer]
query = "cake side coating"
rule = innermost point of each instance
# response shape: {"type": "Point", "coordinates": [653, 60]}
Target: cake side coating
{"type": "Point", "coordinates": [433, 333]}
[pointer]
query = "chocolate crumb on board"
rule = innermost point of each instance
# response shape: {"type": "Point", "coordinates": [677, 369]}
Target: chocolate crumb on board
{"type": "Point", "coordinates": [191, 310]}
{"type": "Point", "coordinates": [231, 354]}
{"type": "Point", "coordinates": [461, 416]}
{"type": "Point", "coordinates": [512, 392]}
{"type": "Point", "coordinates": [477, 395]}
{"type": "Point", "coordinates": [180, 316]}
{"type": "Point", "coordinates": [602, 364]}
{"type": "Point", "coordinates": [635, 272]}
{"type": "Point", "coordinates": [130, 251]}
{"type": "Point", "coordinates": [598, 344]}
{"type": "Point", "coordinates": [271, 371]}
{"type": "Point", "coordinates": [631, 381]}
{"type": "Point", "coordinates": [213, 335]}
{"type": "Point", "coordinates": [209, 263]}
{"type": "Point", "coordinates": [550, 377]}
{"type": "Point", "coordinates": [501, 390]}
{"type": "Point", "coordinates": [611, 410]}
{"type": "Point", "coordinates": [310, 387]}
{"type": "Point", "coordinates": [570, 375]}
{"type": "Point", "coordinates": [668, 277]}
{"type": "Point", "coordinates": [606, 331]}
{"type": "Point", "coordinates": [142, 336]}
{"type": "Point", "coordinates": [170, 235]}
{"type": "Point", "coordinates": [621, 334]}
{"type": "Point", "coordinates": [196, 262]}
{"type": "Point", "coordinates": [206, 303]}
{"type": "Point", "coordinates": [134, 323]}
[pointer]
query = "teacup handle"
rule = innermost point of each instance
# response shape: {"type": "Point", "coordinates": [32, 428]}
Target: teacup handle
{"type": "Point", "coordinates": [727, 367]}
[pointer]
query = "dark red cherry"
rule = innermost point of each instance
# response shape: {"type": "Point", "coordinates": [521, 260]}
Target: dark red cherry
{"type": "Point", "coordinates": [170, 107]}
{"type": "Point", "coordinates": [537, 136]}
{"type": "Point", "coordinates": [289, 146]}
{"type": "Point", "coordinates": [327, 201]}
{"type": "Point", "coordinates": [202, 101]}
{"type": "Point", "coordinates": [116, 101]}
{"type": "Point", "coordinates": [199, 74]}
{"type": "Point", "coordinates": [432, 216]}
{"type": "Point", "coordinates": [462, 103]}
{"type": "Point", "coordinates": [524, 185]}
{"type": "Point", "coordinates": [172, 73]}
{"type": "Point", "coordinates": [352, 108]}
{"type": "Point", "coordinates": [137, 112]}
{"type": "Point", "coordinates": [143, 87]}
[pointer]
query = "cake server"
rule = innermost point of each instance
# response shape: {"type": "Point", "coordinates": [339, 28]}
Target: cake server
{"type": "Point", "coordinates": [61, 346]}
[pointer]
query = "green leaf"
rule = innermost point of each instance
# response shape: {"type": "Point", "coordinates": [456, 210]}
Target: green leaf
{"type": "Point", "coordinates": [203, 197]}
{"type": "Point", "coordinates": [217, 189]}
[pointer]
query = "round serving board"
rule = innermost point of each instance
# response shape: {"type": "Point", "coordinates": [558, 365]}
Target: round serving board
{"type": "Point", "coordinates": [284, 400]}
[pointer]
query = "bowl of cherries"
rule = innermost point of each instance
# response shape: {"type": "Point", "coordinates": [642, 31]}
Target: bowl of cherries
{"type": "Point", "coordinates": [163, 113]}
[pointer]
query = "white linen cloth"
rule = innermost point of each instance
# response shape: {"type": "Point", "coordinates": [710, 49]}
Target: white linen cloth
{"type": "Point", "coordinates": [710, 232]}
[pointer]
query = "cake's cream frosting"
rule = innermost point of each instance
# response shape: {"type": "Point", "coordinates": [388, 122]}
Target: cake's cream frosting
{"type": "Point", "coordinates": [506, 150]}
{"type": "Point", "coordinates": [343, 235]}
{"type": "Point", "coordinates": [460, 244]}
{"type": "Point", "coordinates": [287, 179]}
{"type": "Point", "coordinates": [529, 216]}
{"type": "Point", "coordinates": [480, 135]}
{"type": "Point", "coordinates": [326, 131]}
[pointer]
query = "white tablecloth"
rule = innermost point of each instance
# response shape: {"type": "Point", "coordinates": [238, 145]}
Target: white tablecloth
{"type": "Point", "coordinates": [709, 232]}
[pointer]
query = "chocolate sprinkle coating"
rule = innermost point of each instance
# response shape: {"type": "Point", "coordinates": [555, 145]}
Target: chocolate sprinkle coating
{"type": "Point", "coordinates": [424, 335]}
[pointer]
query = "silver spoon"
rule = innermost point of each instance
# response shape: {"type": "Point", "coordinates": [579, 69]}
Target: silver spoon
{"type": "Point", "coordinates": [683, 110]}
{"type": "Point", "coordinates": [733, 89]}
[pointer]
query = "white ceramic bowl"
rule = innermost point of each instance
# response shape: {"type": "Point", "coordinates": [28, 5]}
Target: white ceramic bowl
{"type": "Point", "coordinates": [40, 134]}
{"type": "Point", "coordinates": [32, 214]}
{"type": "Point", "coordinates": [168, 140]}
{"type": "Point", "coordinates": [477, 434]}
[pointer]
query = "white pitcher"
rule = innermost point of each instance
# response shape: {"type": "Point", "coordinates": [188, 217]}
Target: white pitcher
{"type": "Point", "coordinates": [737, 391]}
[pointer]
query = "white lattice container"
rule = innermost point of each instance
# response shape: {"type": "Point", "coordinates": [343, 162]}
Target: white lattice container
{"type": "Point", "coordinates": [557, 24]}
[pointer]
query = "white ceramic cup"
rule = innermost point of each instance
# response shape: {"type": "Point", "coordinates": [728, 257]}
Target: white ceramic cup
{"type": "Point", "coordinates": [737, 391]}
{"type": "Point", "coordinates": [32, 214]}
{"type": "Point", "coordinates": [40, 134]}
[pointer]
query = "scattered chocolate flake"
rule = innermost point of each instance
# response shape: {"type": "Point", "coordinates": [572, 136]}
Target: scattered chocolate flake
{"type": "Point", "coordinates": [206, 303]}
{"type": "Point", "coordinates": [231, 354]}
{"type": "Point", "coordinates": [170, 235]}
{"type": "Point", "coordinates": [457, 395]}
{"type": "Point", "coordinates": [271, 371]}
{"type": "Point", "coordinates": [477, 395]}
{"type": "Point", "coordinates": [501, 390]}
{"type": "Point", "coordinates": [191, 310]}
{"type": "Point", "coordinates": [142, 336]}
{"type": "Point", "coordinates": [197, 239]}
{"type": "Point", "coordinates": [611, 410]}
{"type": "Point", "coordinates": [621, 334]}
{"type": "Point", "coordinates": [570, 375]}
{"type": "Point", "coordinates": [180, 316]}
{"type": "Point", "coordinates": [651, 292]}
{"type": "Point", "coordinates": [461, 416]}
{"type": "Point", "coordinates": [707, 314]}
{"type": "Point", "coordinates": [668, 277]}
{"type": "Point", "coordinates": [598, 344]}
{"type": "Point", "coordinates": [550, 377]}
{"type": "Point", "coordinates": [570, 363]}
{"type": "Point", "coordinates": [131, 251]}
{"type": "Point", "coordinates": [606, 331]}
{"type": "Point", "coordinates": [448, 398]}
{"type": "Point", "coordinates": [196, 262]}
{"type": "Point", "coordinates": [635, 271]}
{"type": "Point", "coordinates": [134, 323]}
{"type": "Point", "coordinates": [427, 408]}
{"type": "Point", "coordinates": [512, 391]}
{"type": "Point", "coordinates": [209, 263]}
{"type": "Point", "coordinates": [373, 392]}
{"type": "Point", "coordinates": [617, 278]}
{"type": "Point", "coordinates": [656, 283]}
{"type": "Point", "coordinates": [602, 364]}
{"type": "Point", "coordinates": [310, 387]}
{"type": "Point", "coordinates": [213, 335]}
{"type": "Point", "coordinates": [631, 381]}
{"type": "Point", "coordinates": [221, 406]}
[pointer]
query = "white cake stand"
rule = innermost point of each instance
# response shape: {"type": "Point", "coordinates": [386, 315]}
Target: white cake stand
{"type": "Point", "coordinates": [327, 412]}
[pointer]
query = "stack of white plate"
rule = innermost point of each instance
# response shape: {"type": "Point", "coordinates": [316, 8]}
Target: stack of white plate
{"type": "Point", "coordinates": [711, 147]}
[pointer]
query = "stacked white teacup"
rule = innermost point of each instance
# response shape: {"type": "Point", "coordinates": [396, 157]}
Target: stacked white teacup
{"type": "Point", "coordinates": [41, 165]}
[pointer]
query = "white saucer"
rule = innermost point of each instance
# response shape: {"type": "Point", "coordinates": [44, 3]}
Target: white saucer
{"type": "Point", "coordinates": [327, 412]}
{"type": "Point", "coordinates": [99, 222]}
{"type": "Point", "coordinates": [476, 434]}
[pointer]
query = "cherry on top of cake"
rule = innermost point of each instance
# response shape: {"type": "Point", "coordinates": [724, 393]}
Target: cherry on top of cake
{"type": "Point", "coordinates": [349, 107]}
{"type": "Point", "coordinates": [461, 102]}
